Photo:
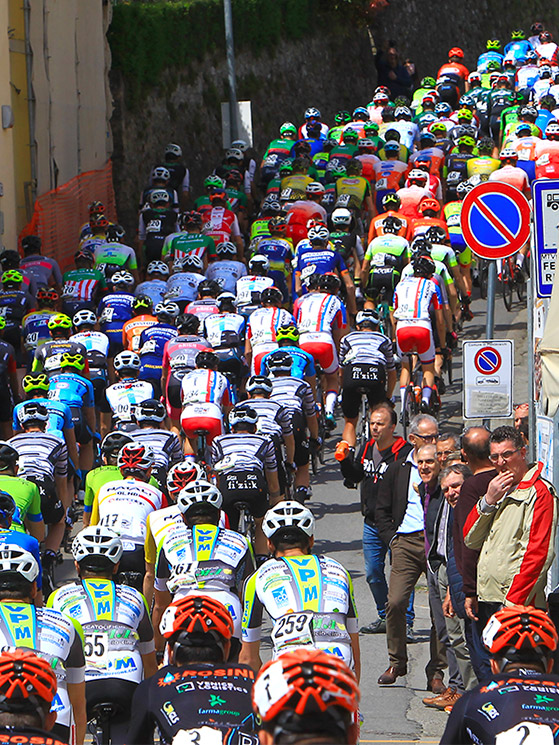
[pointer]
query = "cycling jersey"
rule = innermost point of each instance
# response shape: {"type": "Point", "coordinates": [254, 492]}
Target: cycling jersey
{"type": "Point", "coordinates": [60, 416]}
{"type": "Point", "coordinates": [72, 389]}
{"type": "Point", "coordinates": [165, 446]}
{"type": "Point", "coordinates": [344, 152]}
{"type": "Point", "coordinates": [261, 331]}
{"type": "Point", "coordinates": [388, 250]}
{"type": "Point", "coordinates": [442, 277]}
{"type": "Point", "coordinates": [132, 330]}
{"type": "Point", "coordinates": [226, 272]}
{"type": "Point", "coordinates": [123, 506]}
{"type": "Point", "coordinates": [82, 285]}
{"type": "Point", "coordinates": [511, 708]}
{"type": "Point", "coordinates": [198, 694]}
{"type": "Point", "coordinates": [434, 155]}
{"type": "Point", "coordinates": [518, 49]}
{"type": "Point", "coordinates": [180, 354]}
{"type": "Point", "coordinates": [153, 227]}
{"type": "Point", "coordinates": [151, 350]}
{"type": "Point", "coordinates": [389, 176]}
{"type": "Point", "coordinates": [125, 394]}
{"type": "Point", "coordinates": [41, 455]}
{"type": "Point", "coordinates": [114, 255]}
{"type": "Point", "coordinates": [116, 626]}
{"type": "Point", "coordinates": [310, 601]}
{"type": "Point", "coordinates": [513, 176]}
{"type": "Point", "coordinates": [220, 223]}
{"type": "Point", "coordinates": [206, 386]}
{"type": "Point", "coordinates": [482, 165]}
{"type": "Point", "coordinates": [51, 635]}
{"type": "Point", "coordinates": [319, 311]}
{"type": "Point", "coordinates": [179, 245]}
{"type": "Point", "coordinates": [293, 187]}
{"type": "Point", "coordinates": [224, 330]}
{"type": "Point", "coordinates": [317, 260]}
{"type": "Point", "coordinates": [298, 215]}
{"type": "Point", "coordinates": [90, 242]}
{"type": "Point", "coordinates": [279, 255]}
{"type": "Point", "coordinates": [49, 355]}
{"type": "Point", "coordinates": [294, 394]}
{"type": "Point", "coordinates": [155, 289]}
{"type": "Point", "coordinates": [42, 269]}
{"type": "Point", "coordinates": [27, 497]}
{"type": "Point", "coordinates": [113, 311]}
{"type": "Point", "coordinates": [14, 304]}
{"type": "Point", "coordinates": [414, 297]}
{"type": "Point", "coordinates": [273, 418]}
{"type": "Point", "coordinates": [367, 348]}
{"type": "Point", "coordinates": [302, 365]}
{"type": "Point", "coordinates": [97, 345]}
{"type": "Point", "coordinates": [352, 190]}
{"type": "Point", "coordinates": [96, 478]}
{"type": "Point", "coordinates": [206, 306]}
{"type": "Point", "coordinates": [410, 197]}
{"type": "Point", "coordinates": [249, 288]}
{"type": "Point", "coordinates": [35, 330]}
{"type": "Point", "coordinates": [183, 287]}
{"type": "Point", "coordinates": [376, 227]}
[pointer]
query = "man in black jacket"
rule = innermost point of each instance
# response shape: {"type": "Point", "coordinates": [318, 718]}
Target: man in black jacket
{"type": "Point", "coordinates": [367, 468]}
{"type": "Point", "coordinates": [400, 522]}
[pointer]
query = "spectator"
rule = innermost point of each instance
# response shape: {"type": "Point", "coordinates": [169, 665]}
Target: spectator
{"type": "Point", "coordinates": [447, 445]}
{"type": "Point", "coordinates": [513, 525]}
{"type": "Point", "coordinates": [521, 421]}
{"type": "Point", "coordinates": [395, 76]}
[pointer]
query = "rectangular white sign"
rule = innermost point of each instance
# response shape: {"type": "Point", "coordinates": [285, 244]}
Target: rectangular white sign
{"type": "Point", "coordinates": [488, 380]}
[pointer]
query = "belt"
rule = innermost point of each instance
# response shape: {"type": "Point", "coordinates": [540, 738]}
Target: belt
{"type": "Point", "coordinates": [416, 532]}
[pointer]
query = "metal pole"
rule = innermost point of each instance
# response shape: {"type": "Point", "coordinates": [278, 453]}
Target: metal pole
{"type": "Point", "coordinates": [490, 325]}
{"type": "Point", "coordinates": [30, 101]}
{"type": "Point", "coordinates": [228, 14]}
{"type": "Point", "coordinates": [531, 388]}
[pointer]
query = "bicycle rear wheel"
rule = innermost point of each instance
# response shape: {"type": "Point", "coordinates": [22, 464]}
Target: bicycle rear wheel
{"type": "Point", "coordinates": [408, 409]}
{"type": "Point", "coordinates": [483, 279]}
{"type": "Point", "coordinates": [520, 290]}
{"type": "Point", "coordinates": [363, 433]}
{"type": "Point", "coordinates": [507, 284]}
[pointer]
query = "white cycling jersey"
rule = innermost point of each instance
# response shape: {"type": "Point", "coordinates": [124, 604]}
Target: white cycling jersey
{"type": "Point", "coordinates": [226, 273]}
{"type": "Point", "coordinates": [319, 311]}
{"type": "Point", "coordinates": [414, 297]}
{"type": "Point", "coordinates": [205, 386]}
{"type": "Point", "coordinates": [264, 323]}
{"type": "Point", "coordinates": [124, 506]}
{"type": "Point", "coordinates": [250, 286]}
{"type": "Point", "coordinates": [123, 396]}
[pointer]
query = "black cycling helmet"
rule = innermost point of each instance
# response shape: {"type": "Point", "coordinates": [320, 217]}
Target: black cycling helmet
{"type": "Point", "coordinates": [279, 361]}
{"type": "Point", "coordinates": [150, 410]}
{"type": "Point", "coordinates": [259, 383]}
{"type": "Point", "coordinates": [271, 296]}
{"type": "Point", "coordinates": [115, 233]}
{"type": "Point", "coordinates": [485, 145]}
{"type": "Point", "coordinates": [435, 234]}
{"type": "Point", "coordinates": [330, 282]}
{"type": "Point", "coordinates": [209, 288]}
{"type": "Point", "coordinates": [423, 265]}
{"type": "Point", "coordinates": [207, 360]}
{"type": "Point", "coordinates": [367, 318]}
{"type": "Point", "coordinates": [31, 244]}
{"type": "Point", "coordinates": [142, 304]}
{"type": "Point", "coordinates": [392, 224]}
{"type": "Point", "coordinates": [187, 323]}
{"type": "Point", "coordinates": [391, 202]}
{"type": "Point", "coordinates": [7, 509]}
{"type": "Point", "coordinates": [420, 245]}
{"type": "Point", "coordinates": [114, 442]}
{"type": "Point", "coordinates": [9, 456]}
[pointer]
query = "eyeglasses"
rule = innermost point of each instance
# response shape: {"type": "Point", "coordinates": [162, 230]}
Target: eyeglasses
{"type": "Point", "coordinates": [444, 453]}
{"type": "Point", "coordinates": [507, 455]}
{"type": "Point", "coordinates": [427, 438]}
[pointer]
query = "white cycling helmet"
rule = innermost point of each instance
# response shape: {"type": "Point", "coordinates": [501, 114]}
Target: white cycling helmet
{"type": "Point", "coordinates": [127, 361]}
{"type": "Point", "coordinates": [190, 263]}
{"type": "Point", "coordinates": [18, 561]}
{"type": "Point", "coordinates": [121, 279]}
{"type": "Point", "coordinates": [173, 149]}
{"type": "Point", "coordinates": [84, 318]}
{"type": "Point", "coordinates": [288, 514]}
{"type": "Point", "coordinates": [318, 232]}
{"type": "Point", "coordinates": [150, 410]}
{"type": "Point", "coordinates": [97, 540]}
{"type": "Point", "coordinates": [260, 261]}
{"type": "Point", "coordinates": [341, 216]}
{"type": "Point", "coordinates": [158, 266]}
{"type": "Point", "coordinates": [234, 152]}
{"type": "Point", "coordinates": [167, 308]}
{"type": "Point", "coordinates": [241, 145]}
{"type": "Point", "coordinates": [160, 173]}
{"type": "Point", "coordinates": [32, 411]}
{"type": "Point", "coordinates": [226, 247]}
{"type": "Point", "coordinates": [159, 195]}
{"type": "Point", "coordinates": [242, 414]}
{"type": "Point", "coordinates": [182, 474]}
{"type": "Point", "coordinates": [197, 492]}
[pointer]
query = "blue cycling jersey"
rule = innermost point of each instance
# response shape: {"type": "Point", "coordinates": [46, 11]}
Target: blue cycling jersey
{"type": "Point", "coordinates": [303, 362]}
{"type": "Point", "coordinates": [154, 289]}
{"type": "Point", "coordinates": [60, 416]}
{"type": "Point", "coordinates": [115, 309]}
{"type": "Point", "coordinates": [317, 261]}
{"type": "Point", "coordinates": [484, 59]}
{"type": "Point", "coordinates": [518, 49]}
{"type": "Point", "coordinates": [152, 344]}
{"type": "Point", "coordinates": [72, 389]}
{"type": "Point", "coordinates": [27, 543]}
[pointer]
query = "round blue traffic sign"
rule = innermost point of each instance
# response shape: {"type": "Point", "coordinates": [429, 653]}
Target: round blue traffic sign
{"type": "Point", "coordinates": [487, 360]}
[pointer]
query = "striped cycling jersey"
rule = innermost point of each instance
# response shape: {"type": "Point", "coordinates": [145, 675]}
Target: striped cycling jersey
{"type": "Point", "coordinates": [244, 451]}
{"type": "Point", "coordinates": [41, 454]}
{"type": "Point", "coordinates": [294, 394]}
{"type": "Point", "coordinates": [165, 445]}
{"type": "Point", "coordinates": [273, 418]}
{"type": "Point", "coordinates": [367, 347]}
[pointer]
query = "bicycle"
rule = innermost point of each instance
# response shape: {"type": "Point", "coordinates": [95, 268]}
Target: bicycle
{"type": "Point", "coordinates": [383, 310]}
{"type": "Point", "coordinates": [363, 433]}
{"type": "Point", "coordinates": [317, 454]}
{"type": "Point", "coordinates": [246, 525]}
{"type": "Point", "coordinates": [510, 283]}
{"type": "Point", "coordinates": [202, 448]}
{"type": "Point", "coordinates": [99, 725]}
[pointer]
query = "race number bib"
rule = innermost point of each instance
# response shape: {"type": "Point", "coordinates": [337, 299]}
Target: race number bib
{"type": "Point", "coordinates": [526, 733]}
{"type": "Point", "coordinates": [107, 315]}
{"type": "Point", "coordinates": [293, 629]}
{"type": "Point", "coordinates": [96, 649]}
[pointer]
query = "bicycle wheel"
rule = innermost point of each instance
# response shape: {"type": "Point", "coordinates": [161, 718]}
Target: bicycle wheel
{"type": "Point", "coordinates": [363, 433]}
{"type": "Point", "coordinates": [483, 279]}
{"type": "Point", "coordinates": [507, 285]}
{"type": "Point", "coordinates": [408, 409]}
{"type": "Point", "coordinates": [520, 290]}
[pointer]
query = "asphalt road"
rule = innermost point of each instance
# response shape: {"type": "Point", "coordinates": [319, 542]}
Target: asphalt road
{"type": "Point", "coordinates": [393, 714]}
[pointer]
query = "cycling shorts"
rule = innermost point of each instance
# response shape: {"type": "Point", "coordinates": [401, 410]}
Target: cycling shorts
{"type": "Point", "coordinates": [321, 346]}
{"type": "Point", "coordinates": [71, 307]}
{"type": "Point", "coordinates": [462, 251]}
{"type": "Point", "coordinates": [116, 692]}
{"type": "Point", "coordinates": [81, 430]}
{"type": "Point", "coordinates": [6, 402]}
{"type": "Point", "coordinates": [231, 364]}
{"type": "Point", "coordinates": [114, 332]}
{"type": "Point", "coordinates": [416, 337]}
{"type": "Point", "coordinates": [202, 417]}
{"type": "Point", "coordinates": [132, 567]}
{"type": "Point", "coordinates": [382, 278]}
{"type": "Point", "coordinates": [258, 352]}
{"type": "Point", "coordinates": [51, 506]}
{"type": "Point", "coordinates": [243, 485]}
{"type": "Point", "coordinates": [298, 423]}
{"type": "Point", "coordinates": [359, 379]}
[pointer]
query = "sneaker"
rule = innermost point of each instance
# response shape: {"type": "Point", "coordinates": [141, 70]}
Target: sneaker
{"type": "Point", "coordinates": [425, 407]}
{"type": "Point", "coordinates": [376, 627]}
{"type": "Point", "coordinates": [342, 451]}
{"type": "Point", "coordinates": [410, 635]}
{"type": "Point", "coordinates": [330, 422]}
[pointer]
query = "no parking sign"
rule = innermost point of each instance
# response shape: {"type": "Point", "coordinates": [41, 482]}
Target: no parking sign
{"type": "Point", "coordinates": [488, 389]}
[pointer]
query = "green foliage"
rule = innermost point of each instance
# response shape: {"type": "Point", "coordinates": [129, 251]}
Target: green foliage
{"type": "Point", "coordinates": [149, 37]}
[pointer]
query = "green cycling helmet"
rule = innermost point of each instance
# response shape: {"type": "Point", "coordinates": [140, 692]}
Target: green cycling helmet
{"type": "Point", "coordinates": [467, 140]}
{"type": "Point", "coordinates": [59, 321]}
{"type": "Point", "coordinates": [288, 129]}
{"type": "Point", "coordinates": [290, 332]}
{"type": "Point", "coordinates": [371, 128]}
{"type": "Point", "coordinates": [12, 275]}
{"type": "Point", "coordinates": [2, 323]}
{"type": "Point", "coordinates": [493, 44]}
{"type": "Point", "coordinates": [517, 35]}
{"type": "Point", "coordinates": [493, 64]}
{"type": "Point", "coordinates": [77, 361]}
{"type": "Point", "coordinates": [213, 180]}
{"type": "Point", "coordinates": [428, 82]}
{"type": "Point", "coordinates": [37, 382]}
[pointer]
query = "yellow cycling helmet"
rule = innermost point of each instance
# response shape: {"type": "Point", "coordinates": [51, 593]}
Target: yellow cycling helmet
{"type": "Point", "coordinates": [59, 321]}
{"type": "Point", "coordinates": [35, 382]}
{"type": "Point", "coordinates": [12, 275]}
{"type": "Point", "coordinates": [2, 323]}
{"type": "Point", "coordinates": [72, 360]}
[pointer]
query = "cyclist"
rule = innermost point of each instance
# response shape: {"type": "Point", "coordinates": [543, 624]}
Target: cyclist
{"type": "Point", "coordinates": [118, 636]}
{"type": "Point", "coordinates": [15, 304]}
{"type": "Point", "coordinates": [180, 175]}
{"type": "Point", "coordinates": [108, 471]}
{"type": "Point", "coordinates": [277, 249]}
{"type": "Point", "coordinates": [197, 632]}
{"type": "Point", "coordinates": [155, 286]}
{"type": "Point", "coordinates": [56, 637]}
{"type": "Point", "coordinates": [128, 391]}
{"type": "Point", "coordinates": [321, 319]}
{"type": "Point", "coordinates": [384, 260]}
{"type": "Point", "coordinates": [159, 179]}
{"type": "Point", "coordinates": [71, 387]}
{"type": "Point", "coordinates": [43, 460]}
{"type": "Point", "coordinates": [354, 191]}
{"type": "Point", "coordinates": [521, 642]}
{"type": "Point", "coordinates": [97, 345]}
{"type": "Point", "coordinates": [246, 465]}
{"type": "Point", "coordinates": [297, 397]}
{"type": "Point", "coordinates": [142, 318]}
{"type": "Point", "coordinates": [112, 256]}
{"type": "Point", "coordinates": [263, 325]}
{"type": "Point", "coordinates": [226, 270]}
{"type": "Point", "coordinates": [206, 395]}
{"type": "Point", "coordinates": [183, 284]}
{"type": "Point", "coordinates": [415, 190]}
{"type": "Point", "coordinates": [225, 331]}
{"type": "Point", "coordinates": [156, 222]}
{"type": "Point", "coordinates": [220, 223]}
{"type": "Point", "coordinates": [97, 234]}
{"type": "Point", "coordinates": [413, 299]}
{"type": "Point", "coordinates": [123, 506]}
{"type": "Point", "coordinates": [300, 211]}
{"type": "Point", "coordinates": [116, 308]}
{"type": "Point", "coordinates": [206, 303]}
{"type": "Point", "coordinates": [49, 355]}
{"type": "Point", "coordinates": [509, 173]}
{"type": "Point", "coordinates": [346, 241]}
{"type": "Point", "coordinates": [83, 286]}
{"type": "Point", "coordinates": [302, 363]}
{"type": "Point", "coordinates": [179, 358]}
{"type": "Point", "coordinates": [26, 515]}
{"type": "Point", "coordinates": [368, 367]}
{"type": "Point", "coordinates": [391, 204]}
{"type": "Point", "coordinates": [315, 607]}
{"type": "Point", "coordinates": [165, 446]}
{"type": "Point", "coordinates": [200, 558]}
{"type": "Point", "coordinates": [152, 343]}
{"type": "Point", "coordinates": [35, 331]}
{"type": "Point", "coordinates": [249, 288]}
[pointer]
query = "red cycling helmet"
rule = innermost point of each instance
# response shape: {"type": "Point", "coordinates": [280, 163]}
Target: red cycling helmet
{"type": "Point", "coordinates": [197, 614]}
{"type": "Point", "coordinates": [24, 675]}
{"type": "Point", "coordinates": [456, 52]}
{"type": "Point", "coordinates": [47, 294]}
{"type": "Point", "coordinates": [429, 203]}
{"type": "Point", "coordinates": [518, 633]}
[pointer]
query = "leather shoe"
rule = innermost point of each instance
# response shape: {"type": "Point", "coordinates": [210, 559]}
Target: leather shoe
{"type": "Point", "coordinates": [389, 676]}
{"type": "Point", "coordinates": [436, 686]}
{"type": "Point", "coordinates": [442, 700]}
{"type": "Point", "coordinates": [451, 700]}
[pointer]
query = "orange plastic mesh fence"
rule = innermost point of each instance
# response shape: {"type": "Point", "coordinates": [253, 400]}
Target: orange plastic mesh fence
{"type": "Point", "coordinates": [59, 214]}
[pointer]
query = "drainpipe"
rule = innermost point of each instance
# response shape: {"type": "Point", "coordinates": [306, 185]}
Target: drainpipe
{"type": "Point", "coordinates": [30, 98]}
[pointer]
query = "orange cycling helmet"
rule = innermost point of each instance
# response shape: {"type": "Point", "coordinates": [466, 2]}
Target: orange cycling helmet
{"type": "Point", "coordinates": [520, 634]}
{"type": "Point", "coordinates": [47, 294]}
{"type": "Point", "coordinates": [306, 682]}
{"type": "Point", "coordinates": [429, 203]}
{"type": "Point", "coordinates": [196, 614]}
{"type": "Point", "coordinates": [23, 676]}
